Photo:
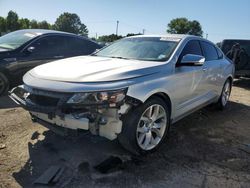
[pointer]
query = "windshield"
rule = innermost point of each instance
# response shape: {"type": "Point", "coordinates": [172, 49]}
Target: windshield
{"type": "Point", "coordinates": [15, 39]}
{"type": "Point", "coordinates": [141, 48]}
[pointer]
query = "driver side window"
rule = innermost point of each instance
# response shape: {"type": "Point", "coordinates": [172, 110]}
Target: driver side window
{"type": "Point", "coordinates": [192, 47]}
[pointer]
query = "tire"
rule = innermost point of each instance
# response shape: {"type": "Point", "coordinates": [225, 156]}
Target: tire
{"type": "Point", "coordinates": [225, 94]}
{"type": "Point", "coordinates": [4, 84]}
{"type": "Point", "coordinates": [141, 135]}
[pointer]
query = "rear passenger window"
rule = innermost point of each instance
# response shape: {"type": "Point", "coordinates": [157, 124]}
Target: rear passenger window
{"type": "Point", "coordinates": [210, 51]}
{"type": "Point", "coordinates": [192, 47]}
{"type": "Point", "coordinates": [79, 46]}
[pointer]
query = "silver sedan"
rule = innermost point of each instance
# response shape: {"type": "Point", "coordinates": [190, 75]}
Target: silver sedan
{"type": "Point", "coordinates": [132, 89]}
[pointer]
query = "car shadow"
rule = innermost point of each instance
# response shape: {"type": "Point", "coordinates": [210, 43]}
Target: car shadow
{"type": "Point", "coordinates": [242, 83]}
{"type": "Point", "coordinates": [205, 137]}
{"type": "Point", "coordinates": [67, 152]}
{"type": "Point", "coordinates": [6, 102]}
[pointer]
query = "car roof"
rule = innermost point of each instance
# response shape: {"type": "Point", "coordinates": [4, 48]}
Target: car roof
{"type": "Point", "coordinates": [38, 32]}
{"type": "Point", "coordinates": [179, 36]}
{"type": "Point", "coordinates": [175, 37]}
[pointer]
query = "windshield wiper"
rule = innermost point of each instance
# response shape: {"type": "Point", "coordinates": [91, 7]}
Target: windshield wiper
{"type": "Point", "coordinates": [118, 57]}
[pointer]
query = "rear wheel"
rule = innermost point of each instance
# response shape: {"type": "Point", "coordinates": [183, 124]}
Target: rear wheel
{"type": "Point", "coordinates": [4, 84]}
{"type": "Point", "coordinates": [225, 94]}
{"type": "Point", "coordinates": [145, 128]}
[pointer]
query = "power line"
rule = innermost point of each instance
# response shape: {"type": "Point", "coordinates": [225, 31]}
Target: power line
{"type": "Point", "coordinates": [132, 26]}
{"type": "Point", "coordinates": [110, 21]}
{"type": "Point", "coordinates": [139, 29]}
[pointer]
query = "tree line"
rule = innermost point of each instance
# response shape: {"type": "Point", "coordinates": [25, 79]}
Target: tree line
{"type": "Point", "coordinates": [70, 22]}
{"type": "Point", "coordinates": [67, 22]}
{"type": "Point", "coordinates": [114, 37]}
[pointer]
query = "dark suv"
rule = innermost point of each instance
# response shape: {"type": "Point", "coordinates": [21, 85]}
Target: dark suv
{"type": "Point", "coordinates": [22, 50]}
{"type": "Point", "coordinates": [238, 51]}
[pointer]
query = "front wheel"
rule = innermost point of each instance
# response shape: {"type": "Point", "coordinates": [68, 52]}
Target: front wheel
{"type": "Point", "coordinates": [225, 94]}
{"type": "Point", "coordinates": [145, 127]}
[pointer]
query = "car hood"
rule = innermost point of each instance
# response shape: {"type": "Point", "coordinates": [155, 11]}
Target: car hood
{"type": "Point", "coordinates": [94, 69]}
{"type": "Point", "coordinates": [3, 49]}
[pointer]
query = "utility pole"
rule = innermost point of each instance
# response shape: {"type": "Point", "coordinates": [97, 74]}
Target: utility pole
{"type": "Point", "coordinates": [206, 35]}
{"type": "Point", "coordinates": [117, 24]}
{"type": "Point", "coordinates": [96, 36]}
{"type": "Point", "coordinates": [143, 31]}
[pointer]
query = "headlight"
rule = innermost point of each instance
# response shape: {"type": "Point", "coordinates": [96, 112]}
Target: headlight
{"type": "Point", "coordinates": [111, 98]}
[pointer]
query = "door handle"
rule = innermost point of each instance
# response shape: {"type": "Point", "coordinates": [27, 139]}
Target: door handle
{"type": "Point", "coordinates": [204, 69]}
{"type": "Point", "coordinates": [58, 56]}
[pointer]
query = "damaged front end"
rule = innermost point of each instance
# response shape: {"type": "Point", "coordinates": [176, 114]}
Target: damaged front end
{"type": "Point", "coordinates": [98, 112]}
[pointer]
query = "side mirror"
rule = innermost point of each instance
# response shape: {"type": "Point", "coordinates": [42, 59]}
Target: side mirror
{"type": "Point", "coordinates": [192, 60]}
{"type": "Point", "coordinates": [30, 49]}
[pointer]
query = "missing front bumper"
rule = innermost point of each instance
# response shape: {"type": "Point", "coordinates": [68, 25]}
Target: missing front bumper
{"type": "Point", "coordinates": [58, 116]}
{"type": "Point", "coordinates": [67, 122]}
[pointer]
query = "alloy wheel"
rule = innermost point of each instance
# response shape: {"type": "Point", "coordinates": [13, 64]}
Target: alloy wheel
{"type": "Point", "coordinates": [151, 127]}
{"type": "Point", "coordinates": [226, 93]}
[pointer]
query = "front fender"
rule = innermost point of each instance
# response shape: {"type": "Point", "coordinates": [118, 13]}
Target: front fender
{"type": "Point", "coordinates": [144, 89]}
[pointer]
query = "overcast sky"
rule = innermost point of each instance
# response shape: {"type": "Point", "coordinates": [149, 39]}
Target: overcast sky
{"type": "Point", "coordinates": [219, 18]}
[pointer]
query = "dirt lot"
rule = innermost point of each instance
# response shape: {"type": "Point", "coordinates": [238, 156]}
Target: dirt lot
{"type": "Point", "coordinates": [206, 149]}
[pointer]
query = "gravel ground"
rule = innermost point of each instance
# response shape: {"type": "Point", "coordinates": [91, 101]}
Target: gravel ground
{"type": "Point", "coordinates": [206, 149]}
